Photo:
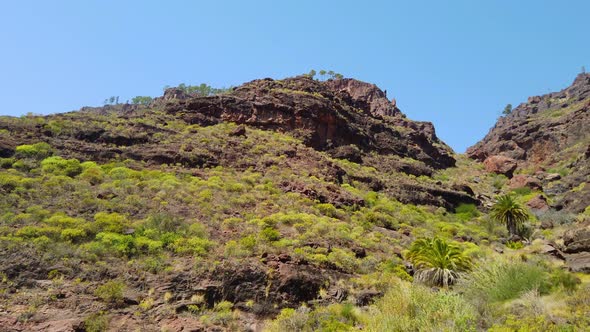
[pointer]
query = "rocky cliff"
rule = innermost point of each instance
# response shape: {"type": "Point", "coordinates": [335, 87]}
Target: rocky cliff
{"type": "Point", "coordinates": [326, 115]}
{"type": "Point", "coordinates": [547, 138]}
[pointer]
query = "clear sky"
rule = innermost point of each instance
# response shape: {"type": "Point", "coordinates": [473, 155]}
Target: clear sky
{"type": "Point", "coordinates": [454, 63]}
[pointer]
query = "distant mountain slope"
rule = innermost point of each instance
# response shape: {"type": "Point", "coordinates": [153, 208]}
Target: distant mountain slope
{"type": "Point", "coordinates": [548, 134]}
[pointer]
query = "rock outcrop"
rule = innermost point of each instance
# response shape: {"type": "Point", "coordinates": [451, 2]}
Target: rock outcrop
{"type": "Point", "coordinates": [548, 132]}
{"type": "Point", "coordinates": [326, 115]}
{"type": "Point", "coordinates": [536, 130]}
{"type": "Point", "coordinates": [500, 165]}
{"type": "Point", "coordinates": [577, 248]}
{"type": "Point", "coordinates": [345, 118]}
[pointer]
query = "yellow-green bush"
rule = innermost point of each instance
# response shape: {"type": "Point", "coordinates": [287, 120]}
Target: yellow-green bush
{"type": "Point", "coordinates": [111, 292]}
{"type": "Point", "coordinates": [37, 151]}
{"type": "Point", "coordinates": [58, 166]}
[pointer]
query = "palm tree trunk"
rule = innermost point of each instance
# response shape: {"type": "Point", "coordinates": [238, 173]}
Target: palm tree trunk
{"type": "Point", "coordinates": [511, 225]}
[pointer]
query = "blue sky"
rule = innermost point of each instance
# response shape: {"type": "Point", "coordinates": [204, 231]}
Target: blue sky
{"type": "Point", "coordinates": [454, 63]}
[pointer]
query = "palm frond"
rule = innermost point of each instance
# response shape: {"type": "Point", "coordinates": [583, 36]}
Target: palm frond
{"type": "Point", "coordinates": [509, 211]}
{"type": "Point", "coordinates": [437, 262]}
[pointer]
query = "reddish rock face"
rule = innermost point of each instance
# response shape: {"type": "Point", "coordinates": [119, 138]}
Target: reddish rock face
{"type": "Point", "coordinates": [536, 130]}
{"type": "Point", "coordinates": [538, 203]}
{"type": "Point", "coordinates": [547, 132]}
{"type": "Point", "coordinates": [326, 115]}
{"type": "Point", "coordinates": [500, 165]}
{"type": "Point", "coordinates": [520, 181]}
{"type": "Point", "coordinates": [366, 93]}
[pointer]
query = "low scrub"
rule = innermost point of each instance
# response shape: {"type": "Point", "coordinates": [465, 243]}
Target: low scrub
{"type": "Point", "coordinates": [407, 307]}
{"type": "Point", "coordinates": [503, 280]}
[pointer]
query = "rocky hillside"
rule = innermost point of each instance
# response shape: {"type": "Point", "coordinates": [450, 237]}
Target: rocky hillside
{"type": "Point", "coordinates": [346, 118]}
{"type": "Point", "coordinates": [286, 205]}
{"type": "Point", "coordinates": [546, 143]}
{"type": "Point", "coordinates": [337, 116]}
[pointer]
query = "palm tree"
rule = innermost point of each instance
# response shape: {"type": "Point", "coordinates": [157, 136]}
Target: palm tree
{"type": "Point", "coordinates": [508, 211]}
{"type": "Point", "coordinates": [437, 262]}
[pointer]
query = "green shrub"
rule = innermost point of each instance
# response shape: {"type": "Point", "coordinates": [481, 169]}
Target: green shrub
{"type": "Point", "coordinates": [38, 151]}
{"type": "Point", "coordinates": [199, 230]}
{"type": "Point", "coordinates": [97, 322]}
{"type": "Point", "coordinates": [514, 245]}
{"type": "Point", "coordinates": [111, 292]}
{"type": "Point", "coordinates": [558, 217]}
{"type": "Point", "coordinates": [335, 317]}
{"type": "Point", "coordinates": [328, 210]}
{"type": "Point", "coordinates": [62, 221]}
{"type": "Point", "coordinates": [344, 259]}
{"type": "Point", "coordinates": [563, 279]}
{"type": "Point", "coordinates": [147, 245]}
{"type": "Point", "coordinates": [9, 182]}
{"type": "Point", "coordinates": [221, 314]}
{"type": "Point", "coordinates": [522, 191]}
{"type": "Point", "coordinates": [270, 234]}
{"type": "Point", "coordinates": [6, 162]}
{"type": "Point", "coordinates": [121, 244]}
{"type": "Point", "coordinates": [289, 320]}
{"type": "Point", "coordinates": [29, 232]}
{"type": "Point", "coordinates": [194, 245]}
{"type": "Point", "coordinates": [163, 222]}
{"type": "Point", "coordinates": [499, 180]}
{"type": "Point", "coordinates": [94, 175]}
{"type": "Point", "coordinates": [59, 166]}
{"type": "Point", "coordinates": [466, 211]}
{"type": "Point", "coordinates": [154, 264]}
{"type": "Point", "coordinates": [528, 323]}
{"type": "Point", "coordinates": [110, 222]}
{"type": "Point", "coordinates": [248, 243]}
{"type": "Point", "coordinates": [407, 307]}
{"type": "Point", "coordinates": [73, 235]}
{"type": "Point", "coordinates": [502, 280]}
{"type": "Point", "coordinates": [381, 219]}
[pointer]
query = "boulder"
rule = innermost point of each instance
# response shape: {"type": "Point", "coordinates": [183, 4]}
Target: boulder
{"type": "Point", "coordinates": [577, 240]}
{"type": "Point", "coordinates": [239, 131]}
{"type": "Point", "coordinates": [463, 188]}
{"type": "Point", "coordinates": [525, 181]}
{"type": "Point", "coordinates": [538, 203]}
{"type": "Point", "coordinates": [549, 249]}
{"type": "Point", "coordinates": [546, 224]}
{"type": "Point", "coordinates": [175, 94]}
{"type": "Point", "coordinates": [552, 177]}
{"type": "Point", "coordinates": [500, 165]}
{"type": "Point", "coordinates": [579, 262]}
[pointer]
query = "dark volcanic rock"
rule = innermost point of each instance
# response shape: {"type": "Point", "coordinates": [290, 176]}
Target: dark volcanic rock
{"type": "Point", "coordinates": [577, 240]}
{"type": "Point", "coordinates": [326, 115]}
